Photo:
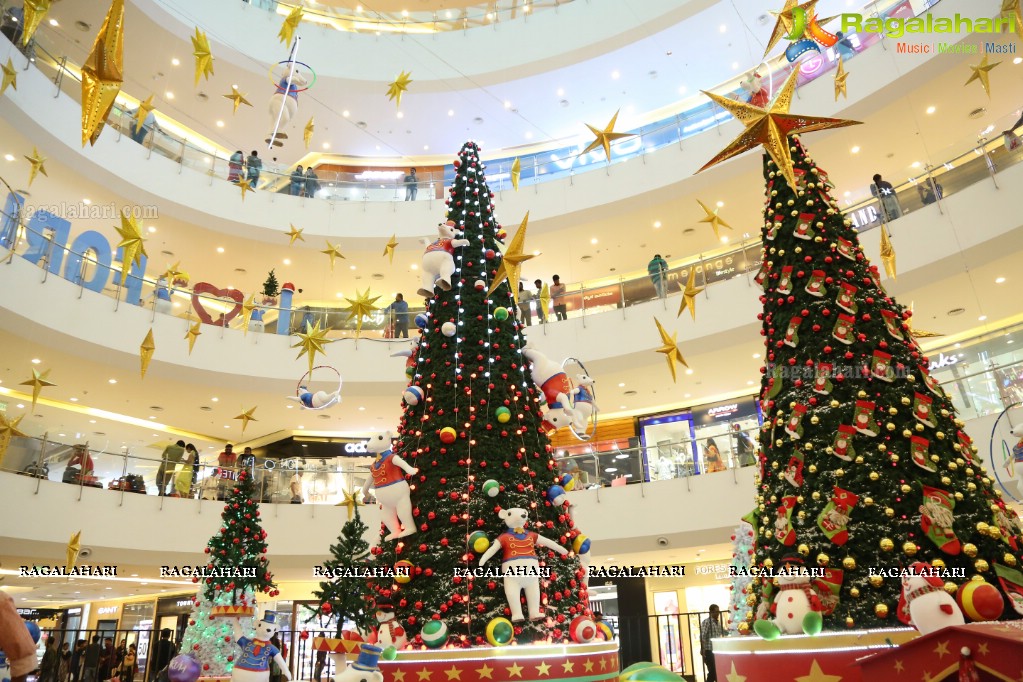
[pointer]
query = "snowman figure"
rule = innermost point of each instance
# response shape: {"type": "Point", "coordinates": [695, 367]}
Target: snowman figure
{"type": "Point", "coordinates": [254, 663]}
{"type": "Point", "coordinates": [929, 606]}
{"type": "Point", "coordinates": [365, 668]}
{"type": "Point", "coordinates": [797, 608]}
{"type": "Point", "coordinates": [315, 401]}
{"type": "Point", "coordinates": [388, 632]}
{"type": "Point", "coordinates": [392, 490]}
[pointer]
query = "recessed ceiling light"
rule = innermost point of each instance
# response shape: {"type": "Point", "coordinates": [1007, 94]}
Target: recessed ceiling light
{"type": "Point", "coordinates": [529, 135]}
{"type": "Point", "coordinates": [326, 145]}
{"type": "Point", "coordinates": [426, 147]}
{"type": "Point", "coordinates": [593, 241]}
{"type": "Point", "coordinates": [681, 89]}
{"type": "Point", "coordinates": [87, 202]}
{"type": "Point", "coordinates": [931, 110]}
{"type": "Point", "coordinates": [53, 22]}
{"type": "Point", "coordinates": [915, 164]}
{"type": "Point", "coordinates": [169, 94]}
{"type": "Point", "coordinates": [111, 381]}
{"type": "Point", "coordinates": [689, 371]}
{"type": "Point", "coordinates": [62, 435]}
{"type": "Point", "coordinates": [621, 407]}
{"type": "Point", "coordinates": [561, 92]}
{"type": "Point", "coordinates": [451, 112]}
{"type": "Point", "coordinates": [507, 104]}
{"type": "Point", "coordinates": [749, 383]}
{"type": "Point", "coordinates": [20, 406]}
{"type": "Point", "coordinates": [1000, 280]}
{"type": "Point", "coordinates": [152, 230]}
{"type": "Point", "coordinates": [855, 150]}
{"type": "Point", "coordinates": [982, 318]}
{"type": "Point", "coordinates": [535, 253]}
{"type": "Point", "coordinates": [9, 157]}
{"type": "Point", "coordinates": [401, 114]}
{"type": "Point", "coordinates": [220, 124]}
{"type": "Point", "coordinates": [175, 62]}
{"type": "Point", "coordinates": [621, 385]}
{"type": "Point", "coordinates": [958, 345]}
{"type": "Point", "coordinates": [1018, 60]}
{"type": "Point", "coordinates": [756, 356]}
{"type": "Point", "coordinates": [416, 266]}
{"type": "Point", "coordinates": [220, 249]}
{"type": "Point", "coordinates": [735, 66]}
{"type": "Point", "coordinates": [724, 239]}
{"type": "Point", "coordinates": [227, 426]}
{"type": "Point", "coordinates": [215, 399]}
{"type": "Point", "coordinates": [615, 74]}
{"type": "Point", "coordinates": [723, 28]}
{"type": "Point", "coordinates": [73, 399]}
{"type": "Point", "coordinates": [92, 421]}
{"type": "Point", "coordinates": [300, 426]}
{"type": "Point", "coordinates": [287, 261]}
{"type": "Point", "coordinates": [152, 416]}
{"type": "Point", "coordinates": [36, 361]}
{"type": "Point", "coordinates": [351, 267]}
{"type": "Point", "coordinates": [657, 224]}
{"type": "Point", "coordinates": [362, 409]}
{"type": "Point", "coordinates": [721, 204]}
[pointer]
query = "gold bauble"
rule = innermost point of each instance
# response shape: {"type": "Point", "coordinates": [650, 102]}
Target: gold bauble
{"type": "Point", "coordinates": [952, 466]}
{"type": "Point", "coordinates": [945, 480]}
{"type": "Point", "coordinates": [940, 435]}
{"type": "Point", "coordinates": [887, 545]}
{"type": "Point", "coordinates": [761, 507]}
{"type": "Point", "coordinates": [823, 559]}
{"type": "Point", "coordinates": [918, 427]}
{"type": "Point", "coordinates": [768, 563]}
{"type": "Point", "coordinates": [849, 563]}
{"type": "Point", "coordinates": [849, 622]}
{"type": "Point", "coordinates": [868, 501]}
{"type": "Point", "coordinates": [875, 581]}
{"type": "Point", "coordinates": [906, 401]}
{"type": "Point", "coordinates": [774, 464]}
{"type": "Point", "coordinates": [778, 443]}
{"type": "Point", "coordinates": [812, 468]}
{"type": "Point", "coordinates": [874, 475]}
{"type": "Point", "coordinates": [854, 592]}
{"type": "Point", "coordinates": [751, 599]}
{"type": "Point", "coordinates": [835, 403]}
{"type": "Point", "coordinates": [906, 433]}
{"type": "Point", "coordinates": [861, 394]}
{"type": "Point", "coordinates": [905, 487]}
{"type": "Point", "coordinates": [799, 499]}
{"type": "Point", "coordinates": [971, 486]}
{"type": "Point", "coordinates": [982, 527]}
{"type": "Point", "coordinates": [910, 378]}
{"type": "Point", "coordinates": [881, 610]}
{"type": "Point", "coordinates": [829, 450]}
{"type": "Point", "coordinates": [893, 411]}
{"type": "Point", "coordinates": [859, 459]}
{"type": "Point", "coordinates": [839, 473]}
{"type": "Point", "coordinates": [1009, 559]}
{"type": "Point", "coordinates": [970, 549]}
{"type": "Point", "coordinates": [986, 481]}
{"type": "Point", "coordinates": [938, 563]}
{"type": "Point", "coordinates": [815, 419]}
{"type": "Point", "coordinates": [894, 458]}
{"type": "Point", "coordinates": [935, 458]}
{"type": "Point", "coordinates": [958, 495]}
{"type": "Point", "coordinates": [909, 548]}
{"type": "Point", "coordinates": [890, 426]}
{"type": "Point", "coordinates": [882, 448]}
{"type": "Point", "coordinates": [889, 512]}
{"type": "Point", "coordinates": [774, 499]}
{"type": "Point", "coordinates": [951, 588]}
{"type": "Point", "coordinates": [804, 550]}
{"type": "Point", "coordinates": [815, 495]}
{"type": "Point", "coordinates": [801, 515]}
{"type": "Point", "coordinates": [808, 446]}
{"type": "Point", "coordinates": [981, 565]}
{"type": "Point", "coordinates": [768, 534]}
{"type": "Point", "coordinates": [798, 249]}
{"type": "Point", "coordinates": [743, 628]}
{"type": "Point", "coordinates": [944, 412]}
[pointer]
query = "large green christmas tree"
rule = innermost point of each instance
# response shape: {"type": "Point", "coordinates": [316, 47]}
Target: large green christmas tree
{"type": "Point", "coordinates": [864, 463]}
{"type": "Point", "coordinates": [474, 382]}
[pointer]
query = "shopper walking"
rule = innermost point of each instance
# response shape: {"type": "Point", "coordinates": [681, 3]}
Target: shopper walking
{"type": "Point", "coordinates": [107, 662]}
{"type": "Point", "coordinates": [169, 459]}
{"type": "Point", "coordinates": [657, 268]}
{"type": "Point", "coordinates": [234, 166]}
{"type": "Point", "coordinates": [295, 486]}
{"type": "Point", "coordinates": [525, 312]}
{"type": "Point", "coordinates": [712, 457]}
{"type": "Point", "coordinates": [321, 663]}
{"type": "Point", "coordinates": [183, 479]}
{"type": "Point", "coordinates": [50, 665]}
{"type": "Point", "coordinates": [558, 296]}
{"type": "Point", "coordinates": [541, 310]}
{"type": "Point", "coordinates": [163, 652]}
{"type": "Point", "coordinates": [709, 629]}
{"type": "Point", "coordinates": [398, 311]}
{"type": "Point", "coordinates": [253, 166]}
{"type": "Point", "coordinates": [91, 659]}
{"type": "Point", "coordinates": [744, 447]}
{"type": "Point", "coordinates": [297, 188]}
{"type": "Point", "coordinates": [64, 672]}
{"type": "Point", "coordinates": [226, 460]}
{"type": "Point", "coordinates": [890, 208]}
{"type": "Point", "coordinates": [76, 660]}
{"type": "Point", "coordinates": [411, 185]}
{"type": "Point", "coordinates": [312, 182]}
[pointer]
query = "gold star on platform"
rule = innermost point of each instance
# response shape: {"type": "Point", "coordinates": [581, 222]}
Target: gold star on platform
{"type": "Point", "coordinates": [245, 186]}
{"type": "Point", "coordinates": [350, 501]}
{"type": "Point", "coordinates": [334, 252]}
{"type": "Point", "coordinates": [10, 77]}
{"type": "Point", "coordinates": [146, 350]}
{"type": "Point", "coordinates": [132, 244]}
{"type": "Point", "coordinates": [568, 666]}
{"type": "Point", "coordinates": [453, 673]}
{"type": "Point", "coordinates": [38, 165]}
{"type": "Point", "coordinates": [713, 219]}
{"type": "Point", "coordinates": [144, 109]}
{"type": "Point", "coordinates": [669, 348]}
{"type": "Point", "coordinates": [399, 675]}
{"type": "Point", "coordinates": [192, 334]}
{"type": "Point", "coordinates": [247, 417]}
{"type": "Point", "coordinates": [899, 667]}
{"type": "Point", "coordinates": [605, 137]}
{"type": "Point", "coordinates": [841, 75]}
{"type": "Point", "coordinates": [8, 430]}
{"type": "Point", "coordinates": [400, 85]}
{"type": "Point", "coordinates": [1010, 8]}
{"type": "Point", "coordinates": [38, 382]}
{"type": "Point", "coordinates": [689, 292]}
{"type": "Point", "coordinates": [942, 649]}
{"type": "Point", "coordinates": [512, 259]}
{"type": "Point", "coordinates": [486, 672]}
{"type": "Point", "coordinates": [588, 666]}
{"type": "Point", "coordinates": [981, 72]}
{"type": "Point", "coordinates": [312, 341]}
{"type": "Point", "coordinates": [307, 133]}
{"type": "Point", "coordinates": [390, 247]}
{"type": "Point", "coordinates": [423, 674]}
{"type": "Point", "coordinates": [362, 306]}
{"type": "Point", "coordinates": [887, 253]}
{"type": "Point", "coordinates": [982, 649]}
{"type": "Point", "coordinates": [291, 23]}
{"type": "Point", "coordinates": [103, 73]}
{"type": "Point", "coordinates": [34, 11]}
{"type": "Point", "coordinates": [817, 675]}
{"type": "Point", "coordinates": [514, 670]}
{"type": "Point", "coordinates": [770, 128]}
{"type": "Point", "coordinates": [247, 308]}
{"type": "Point", "coordinates": [784, 22]}
{"type": "Point", "coordinates": [734, 676]}
{"type": "Point", "coordinates": [73, 549]}
{"type": "Point", "coordinates": [293, 234]}
{"type": "Point", "coordinates": [543, 669]}
{"type": "Point", "coordinates": [238, 98]}
{"type": "Point", "coordinates": [203, 55]}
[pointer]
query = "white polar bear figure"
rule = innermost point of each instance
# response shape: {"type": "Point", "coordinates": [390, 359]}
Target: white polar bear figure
{"type": "Point", "coordinates": [439, 259]}
{"type": "Point", "coordinates": [550, 378]}
{"type": "Point", "coordinates": [253, 665]}
{"type": "Point", "coordinates": [163, 297]}
{"type": "Point", "coordinates": [287, 98]}
{"type": "Point", "coordinates": [392, 491]}
{"type": "Point", "coordinates": [521, 565]}
{"type": "Point", "coordinates": [583, 403]}
{"type": "Point", "coordinates": [315, 401]}
{"type": "Point", "coordinates": [363, 669]}
{"type": "Point", "coordinates": [931, 608]}
{"type": "Point", "coordinates": [797, 608]}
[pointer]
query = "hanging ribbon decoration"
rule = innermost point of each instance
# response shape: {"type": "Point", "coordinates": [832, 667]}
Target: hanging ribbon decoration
{"type": "Point", "coordinates": [806, 35]}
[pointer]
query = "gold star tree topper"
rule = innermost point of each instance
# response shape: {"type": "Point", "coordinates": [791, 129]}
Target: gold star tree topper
{"type": "Point", "coordinates": [38, 382]}
{"type": "Point", "coordinates": [193, 333]}
{"type": "Point", "coordinates": [10, 77]}
{"type": "Point", "coordinates": [362, 306]}
{"type": "Point", "coordinates": [203, 55]}
{"type": "Point", "coordinates": [103, 73]}
{"type": "Point", "coordinates": [511, 261]}
{"type": "Point", "coordinates": [293, 234]}
{"type": "Point", "coordinates": [238, 98]}
{"type": "Point", "coordinates": [291, 23]}
{"type": "Point", "coordinates": [605, 137]}
{"type": "Point", "coordinates": [669, 348]}
{"type": "Point", "coordinates": [35, 11]}
{"type": "Point", "coordinates": [312, 341]}
{"type": "Point", "coordinates": [841, 75]}
{"type": "Point", "coordinates": [146, 350]}
{"type": "Point", "coordinates": [307, 134]}
{"type": "Point", "coordinates": [140, 116]}
{"type": "Point", "coordinates": [333, 251]}
{"type": "Point", "coordinates": [390, 247]}
{"type": "Point", "coordinates": [785, 22]}
{"type": "Point", "coordinates": [400, 85]}
{"type": "Point", "coordinates": [38, 165]}
{"type": "Point", "coordinates": [247, 417]}
{"type": "Point", "coordinates": [351, 501]}
{"type": "Point", "coordinates": [713, 219]}
{"type": "Point", "coordinates": [981, 72]}
{"type": "Point", "coordinates": [132, 243]}
{"type": "Point", "coordinates": [771, 128]}
{"type": "Point", "coordinates": [689, 293]}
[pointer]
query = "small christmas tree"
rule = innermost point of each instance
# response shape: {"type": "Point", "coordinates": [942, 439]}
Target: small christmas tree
{"type": "Point", "coordinates": [211, 639]}
{"type": "Point", "coordinates": [336, 596]}
{"type": "Point", "coordinates": [739, 610]}
{"type": "Point", "coordinates": [271, 287]}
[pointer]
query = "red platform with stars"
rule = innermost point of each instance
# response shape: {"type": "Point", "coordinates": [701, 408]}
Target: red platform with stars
{"type": "Point", "coordinates": [594, 662]}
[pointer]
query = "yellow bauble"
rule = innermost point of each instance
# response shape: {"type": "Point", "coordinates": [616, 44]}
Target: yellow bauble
{"type": "Point", "coordinates": [751, 600]}
{"type": "Point", "coordinates": [799, 499]}
{"type": "Point", "coordinates": [849, 622]}
{"type": "Point", "coordinates": [906, 433]}
{"type": "Point", "coordinates": [894, 458]}
{"type": "Point", "coordinates": [854, 592]}
{"type": "Point", "coordinates": [1009, 559]}
{"type": "Point", "coordinates": [940, 435]}
{"type": "Point", "coordinates": [761, 507]}
{"type": "Point", "coordinates": [743, 628]}
{"type": "Point", "coordinates": [801, 515]}
{"type": "Point", "coordinates": [935, 458]}
{"type": "Point", "coordinates": [951, 588]}
{"type": "Point", "coordinates": [918, 427]}
{"type": "Point", "coordinates": [906, 401]}
{"type": "Point", "coordinates": [971, 486]}
{"type": "Point", "coordinates": [944, 412]}
{"type": "Point", "coordinates": [890, 426]}
{"type": "Point", "coordinates": [875, 581]}
{"type": "Point", "coordinates": [887, 545]}
{"type": "Point", "coordinates": [995, 532]}
{"type": "Point", "coordinates": [839, 473]}
{"type": "Point", "coordinates": [859, 459]}
{"type": "Point", "coordinates": [768, 563]}
{"type": "Point", "coordinates": [945, 480]}
{"type": "Point", "coordinates": [812, 468]}
{"type": "Point", "coordinates": [938, 563]}
{"type": "Point", "coordinates": [808, 446]}
{"type": "Point", "coordinates": [868, 501]}
{"type": "Point", "coordinates": [981, 565]}
{"type": "Point", "coordinates": [861, 394]}
{"type": "Point", "coordinates": [804, 550]}
{"type": "Point", "coordinates": [815, 419]}
{"type": "Point", "coordinates": [823, 559]}
{"type": "Point", "coordinates": [874, 475]}
{"type": "Point", "coordinates": [958, 495]}
{"type": "Point", "coordinates": [768, 534]}
{"type": "Point", "coordinates": [881, 610]}
{"type": "Point", "coordinates": [829, 450]}
{"type": "Point", "coordinates": [882, 448]}
{"type": "Point", "coordinates": [835, 403]}
{"type": "Point", "coordinates": [816, 495]}
{"type": "Point", "coordinates": [774, 499]}
{"type": "Point", "coordinates": [982, 527]}
{"type": "Point", "coordinates": [909, 548]}
{"type": "Point", "coordinates": [893, 410]}
{"type": "Point", "coordinates": [774, 464]}
{"type": "Point", "coordinates": [905, 488]}
{"type": "Point", "coordinates": [889, 512]}
{"type": "Point", "coordinates": [952, 466]}
{"type": "Point", "coordinates": [970, 549]}
{"type": "Point", "coordinates": [849, 563]}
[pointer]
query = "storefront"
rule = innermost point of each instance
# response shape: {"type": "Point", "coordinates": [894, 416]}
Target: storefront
{"type": "Point", "coordinates": [610, 457]}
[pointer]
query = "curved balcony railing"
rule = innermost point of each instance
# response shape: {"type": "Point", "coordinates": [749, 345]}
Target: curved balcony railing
{"type": "Point", "coordinates": [559, 160]}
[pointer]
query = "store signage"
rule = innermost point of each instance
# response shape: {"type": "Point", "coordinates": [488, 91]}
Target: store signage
{"type": "Point", "coordinates": [729, 410]}
{"type": "Point", "coordinates": [185, 602]}
{"type": "Point", "coordinates": [353, 448]}
{"type": "Point", "coordinates": [77, 611]}
{"type": "Point", "coordinates": [719, 571]}
{"type": "Point", "coordinates": [107, 609]}
{"type": "Point", "coordinates": [39, 614]}
{"type": "Point", "coordinates": [943, 361]}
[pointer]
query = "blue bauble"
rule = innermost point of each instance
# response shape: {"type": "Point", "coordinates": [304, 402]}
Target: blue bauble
{"type": "Point", "coordinates": [33, 630]}
{"type": "Point", "coordinates": [421, 320]}
{"type": "Point", "coordinates": [557, 495]}
{"type": "Point", "coordinates": [413, 395]}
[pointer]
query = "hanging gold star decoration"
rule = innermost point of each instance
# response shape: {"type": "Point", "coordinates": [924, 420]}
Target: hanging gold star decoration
{"type": "Point", "coordinates": [390, 247]}
{"type": "Point", "coordinates": [771, 128]}
{"type": "Point", "coordinates": [35, 11]}
{"type": "Point", "coordinates": [400, 85]}
{"type": "Point", "coordinates": [10, 77]}
{"type": "Point", "coordinates": [887, 253]}
{"type": "Point", "coordinates": [312, 342]}
{"type": "Point", "coordinates": [247, 308]}
{"type": "Point", "coordinates": [38, 165]}
{"type": "Point", "coordinates": [511, 261]}
{"type": "Point", "coordinates": [350, 501]}
{"type": "Point", "coordinates": [307, 134]}
{"type": "Point", "coordinates": [713, 219]}
{"type": "Point", "coordinates": [247, 417]}
{"type": "Point", "coordinates": [143, 112]}
{"type": "Point", "coordinates": [516, 173]}
{"type": "Point", "coordinates": [981, 72]}
{"type": "Point", "coordinates": [38, 382]}
{"type": "Point", "coordinates": [194, 332]}
{"type": "Point", "coordinates": [293, 234]}
{"type": "Point", "coordinates": [291, 23]}
{"type": "Point", "coordinates": [74, 547]}
{"type": "Point", "coordinates": [689, 292]}
{"type": "Point", "coordinates": [238, 98]}
{"type": "Point", "coordinates": [245, 186]}
{"type": "Point", "coordinates": [545, 300]}
{"type": "Point", "coordinates": [103, 73]}
{"type": "Point", "coordinates": [203, 55]}
{"type": "Point", "coordinates": [172, 272]}
{"type": "Point", "coordinates": [785, 23]}
{"type": "Point", "coordinates": [918, 333]}
{"type": "Point", "coordinates": [605, 137]}
{"type": "Point", "coordinates": [840, 77]}
{"type": "Point", "coordinates": [132, 243]}
{"type": "Point", "coordinates": [362, 306]}
{"type": "Point", "coordinates": [669, 348]}
{"type": "Point", "coordinates": [334, 252]}
{"type": "Point", "coordinates": [8, 430]}
{"type": "Point", "coordinates": [146, 351]}
{"type": "Point", "coordinates": [1011, 8]}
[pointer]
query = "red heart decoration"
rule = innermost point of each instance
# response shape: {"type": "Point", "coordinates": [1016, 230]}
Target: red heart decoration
{"type": "Point", "coordinates": [207, 288]}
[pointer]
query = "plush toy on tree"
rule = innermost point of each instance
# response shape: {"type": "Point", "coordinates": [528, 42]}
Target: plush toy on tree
{"type": "Point", "coordinates": [520, 562]}
{"type": "Point", "coordinates": [583, 403]}
{"type": "Point", "coordinates": [315, 401]}
{"type": "Point", "coordinates": [257, 652]}
{"type": "Point", "coordinates": [439, 259]}
{"type": "Point", "coordinates": [392, 490]}
{"type": "Point", "coordinates": [797, 607]}
{"type": "Point", "coordinates": [557, 388]}
{"type": "Point", "coordinates": [924, 603]}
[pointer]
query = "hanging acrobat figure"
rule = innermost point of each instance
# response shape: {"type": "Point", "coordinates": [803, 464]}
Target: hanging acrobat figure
{"type": "Point", "coordinates": [289, 81]}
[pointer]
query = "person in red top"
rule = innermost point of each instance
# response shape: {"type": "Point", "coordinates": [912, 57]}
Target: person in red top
{"type": "Point", "coordinates": [80, 458]}
{"type": "Point", "coordinates": [227, 460]}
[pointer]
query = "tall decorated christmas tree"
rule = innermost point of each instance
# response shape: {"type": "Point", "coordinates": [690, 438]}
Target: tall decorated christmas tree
{"type": "Point", "coordinates": [471, 425]}
{"type": "Point", "coordinates": [236, 570]}
{"type": "Point", "coordinates": [864, 463]}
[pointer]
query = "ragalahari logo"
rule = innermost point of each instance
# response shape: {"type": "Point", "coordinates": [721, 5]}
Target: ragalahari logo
{"type": "Point", "coordinates": [806, 34]}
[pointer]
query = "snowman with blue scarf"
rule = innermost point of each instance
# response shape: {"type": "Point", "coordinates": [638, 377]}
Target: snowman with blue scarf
{"type": "Point", "coordinates": [254, 663]}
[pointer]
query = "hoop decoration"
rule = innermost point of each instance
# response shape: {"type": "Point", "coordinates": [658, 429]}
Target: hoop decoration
{"type": "Point", "coordinates": [1005, 460]}
{"type": "Point", "coordinates": [275, 81]}
{"type": "Point", "coordinates": [319, 400]}
{"type": "Point", "coordinates": [584, 401]}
